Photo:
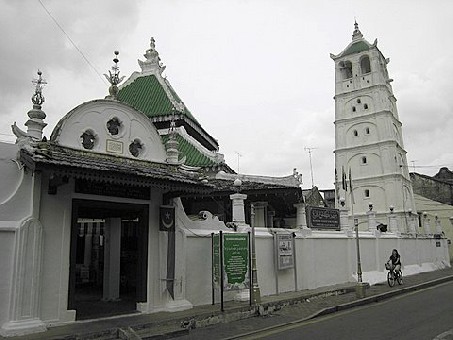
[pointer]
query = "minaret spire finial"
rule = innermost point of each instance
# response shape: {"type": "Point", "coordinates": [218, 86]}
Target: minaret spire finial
{"type": "Point", "coordinates": [356, 34]}
{"type": "Point", "coordinates": [114, 78]}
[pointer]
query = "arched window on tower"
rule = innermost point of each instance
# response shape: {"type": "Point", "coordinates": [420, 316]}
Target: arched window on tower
{"type": "Point", "coordinates": [365, 64]}
{"type": "Point", "coordinates": [346, 69]}
{"type": "Point", "coordinates": [353, 109]}
{"type": "Point", "coordinates": [365, 106]}
{"type": "Point", "coordinates": [355, 133]}
{"type": "Point", "coordinates": [367, 193]}
{"type": "Point", "coordinates": [367, 130]}
{"type": "Point", "coordinates": [364, 160]}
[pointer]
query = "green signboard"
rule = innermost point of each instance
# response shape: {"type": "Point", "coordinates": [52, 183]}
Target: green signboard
{"type": "Point", "coordinates": [236, 261]}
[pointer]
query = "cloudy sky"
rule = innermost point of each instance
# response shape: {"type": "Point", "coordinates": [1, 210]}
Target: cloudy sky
{"type": "Point", "coordinates": [256, 73]}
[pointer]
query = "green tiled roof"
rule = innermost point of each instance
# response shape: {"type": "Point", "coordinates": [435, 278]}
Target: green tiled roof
{"type": "Point", "coordinates": [357, 47]}
{"type": "Point", "coordinates": [193, 156]}
{"type": "Point", "coordinates": [147, 95]}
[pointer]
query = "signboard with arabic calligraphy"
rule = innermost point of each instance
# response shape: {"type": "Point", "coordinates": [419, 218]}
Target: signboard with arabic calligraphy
{"type": "Point", "coordinates": [323, 218]}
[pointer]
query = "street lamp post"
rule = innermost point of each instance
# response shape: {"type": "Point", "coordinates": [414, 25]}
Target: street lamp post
{"type": "Point", "coordinates": [359, 263]}
{"type": "Point", "coordinates": [256, 295]}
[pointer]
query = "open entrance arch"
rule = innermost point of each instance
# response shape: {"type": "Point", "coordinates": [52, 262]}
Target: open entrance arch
{"type": "Point", "coordinates": [108, 258]}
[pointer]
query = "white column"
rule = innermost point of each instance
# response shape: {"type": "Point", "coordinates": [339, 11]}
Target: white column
{"type": "Point", "coordinates": [426, 224]}
{"type": "Point", "coordinates": [270, 219]}
{"type": "Point", "coordinates": [438, 226]}
{"type": "Point", "coordinates": [112, 252]}
{"type": "Point", "coordinates": [344, 216]}
{"type": "Point", "coordinates": [260, 214]}
{"type": "Point", "coordinates": [412, 223]}
{"type": "Point", "coordinates": [238, 207]}
{"type": "Point", "coordinates": [371, 221]}
{"type": "Point", "coordinates": [24, 315]}
{"type": "Point", "coordinates": [301, 217]}
{"type": "Point", "coordinates": [393, 223]}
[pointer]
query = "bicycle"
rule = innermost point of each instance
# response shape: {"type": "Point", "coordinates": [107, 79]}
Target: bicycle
{"type": "Point", "coordinates": [393, 276]}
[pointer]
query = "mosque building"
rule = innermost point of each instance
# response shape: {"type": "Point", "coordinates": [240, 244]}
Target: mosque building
{"type": "Point", "coordinates": [114, 212]}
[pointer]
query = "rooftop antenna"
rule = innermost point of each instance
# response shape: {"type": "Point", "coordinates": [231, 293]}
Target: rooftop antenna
{"type": "Point", "coordinates": [311, 165]}
{"type": "Point", "coordinates": [239, 156]}
{"type": "Point", "coordinates": [413, 165]}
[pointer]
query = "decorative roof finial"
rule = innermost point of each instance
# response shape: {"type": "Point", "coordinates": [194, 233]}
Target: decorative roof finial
{"type": "Point", "coordinates": [114, 78]}
{"type": "Point", "coordinates": [356, 34]}
{"type": "Point", "coordinates": [152, 62]}
{"type": "Point", "coordinates": [37, 98]}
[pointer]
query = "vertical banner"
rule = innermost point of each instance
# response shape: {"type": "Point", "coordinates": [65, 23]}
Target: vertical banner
{"type": "Point", "coordinates": [236, 261]}
{"type": "Point", "coordinates": [167, 223]}
{"type": "Point", "coordinates": [167, 218]}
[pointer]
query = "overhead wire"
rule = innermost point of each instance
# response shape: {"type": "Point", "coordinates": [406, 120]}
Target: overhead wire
{"type": "Point", "coordinates": [72, 42]}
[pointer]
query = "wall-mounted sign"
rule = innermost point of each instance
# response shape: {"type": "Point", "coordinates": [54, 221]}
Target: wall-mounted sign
{"type": "Point", "coordinates": [114, 146]}
{"type": "Point", "coordinates": [323, 218]}
{"type": "Point", "coordinates": [285, 253]}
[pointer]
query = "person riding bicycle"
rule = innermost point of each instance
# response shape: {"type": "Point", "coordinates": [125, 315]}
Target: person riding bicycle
{"type": "Point", "coordinates": [395, 261]}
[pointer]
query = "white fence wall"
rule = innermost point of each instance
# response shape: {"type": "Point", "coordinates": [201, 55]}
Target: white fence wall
{"type": "Point", "coordinates": [322, 259]}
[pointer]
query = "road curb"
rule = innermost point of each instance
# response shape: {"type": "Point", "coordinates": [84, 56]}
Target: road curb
{"type": "Point", "coordinates": [349, 305]}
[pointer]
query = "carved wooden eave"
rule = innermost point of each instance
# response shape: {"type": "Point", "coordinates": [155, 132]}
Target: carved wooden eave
{"type": "Point", "coordinates": [63, 162]}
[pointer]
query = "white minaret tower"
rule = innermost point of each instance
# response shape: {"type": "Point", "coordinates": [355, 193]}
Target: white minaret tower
{"type": "Point", "coordinates": [368, 136]}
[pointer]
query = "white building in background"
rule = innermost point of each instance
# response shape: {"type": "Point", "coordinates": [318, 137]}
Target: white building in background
{"type": "Point", "coordinates": [368, 136]}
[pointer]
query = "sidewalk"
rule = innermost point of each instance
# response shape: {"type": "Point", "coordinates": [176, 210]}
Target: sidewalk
{"type": "Point", "coordinates": [306, 304]}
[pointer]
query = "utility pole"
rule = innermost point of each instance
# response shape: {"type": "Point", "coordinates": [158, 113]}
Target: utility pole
{"type": "Point", "coordinates": [311, 165]}
{"type": "Point", "coordinates": [413, 165]}
{"type": "Point", "coordinates": [239, 156]}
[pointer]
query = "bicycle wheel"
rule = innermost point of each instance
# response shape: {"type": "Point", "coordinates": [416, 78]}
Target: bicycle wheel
{"type": "Point", "coordinates": [400, 278]}
{"type": "Point", "coordinates": [390, 279]}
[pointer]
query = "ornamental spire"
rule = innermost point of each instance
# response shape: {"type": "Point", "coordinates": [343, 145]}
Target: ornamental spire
{"type": "Point", "coordinates": [152, 62]}
{"type": "Point", "coordinates": [36, 123]}
{"type": "Point", "coordinates": [172, 145]}
{"type": "Point", "coordinates": [356, 34]}
{"type": "Point", "coordinates": [114, 78]}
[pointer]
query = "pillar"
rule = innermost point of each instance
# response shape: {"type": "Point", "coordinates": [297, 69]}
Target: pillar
{"type": "Point", "coordinates": [270, 219]}
{"type": "Point", "coordinates": [438, 226]}
{"type": "Point", "coordinates": [371, 221]}
{"type": "Point", "coordinates": [112, 252]}
{"type": "Point", "coordinates": [301, 217]}
{"type": "Point", "coordinates": [344, 216]}
{"type": "Point", "coordinates": [238, 207]}
{"type": "Point", "coordinates": [260, 214]}
{"type": "Point", "coordinates": [426, 224]}
{"type": "Point", "coordinates": [393, 223]}
{"type": "Point", "coordinates": [412, 223]}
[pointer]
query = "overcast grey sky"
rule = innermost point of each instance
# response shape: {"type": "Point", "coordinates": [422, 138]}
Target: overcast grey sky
{"type": "Point", "coordinates": [256, 74]}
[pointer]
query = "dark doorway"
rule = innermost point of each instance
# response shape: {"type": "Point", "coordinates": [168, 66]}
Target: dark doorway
{"type": "Point", "coordinates": [108, 263]}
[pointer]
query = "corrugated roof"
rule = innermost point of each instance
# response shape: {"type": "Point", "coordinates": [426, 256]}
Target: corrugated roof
{"type": "Point", "coordinates": [194, 157]}
{"type": "Point", "coordinates": [146, 94]}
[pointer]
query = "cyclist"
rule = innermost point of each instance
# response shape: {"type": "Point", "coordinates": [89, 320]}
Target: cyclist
{"type": "Point", "coordinates": [395, 261]}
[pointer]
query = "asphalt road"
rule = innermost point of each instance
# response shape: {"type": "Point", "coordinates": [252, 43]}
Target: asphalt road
{"type": "Point", "coordinates": [420, 315]}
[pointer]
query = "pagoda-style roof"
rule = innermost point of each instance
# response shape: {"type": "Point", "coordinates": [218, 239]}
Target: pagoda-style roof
{"type": "Point", "coordinates": [357, 45]}
{"type": "Point", "coordinates": [147, 94]}
{"type": "Point", "coordinates": [151, 93]}
{"type": "Point", "coordinates": [66, 161]}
